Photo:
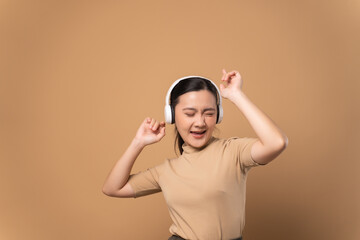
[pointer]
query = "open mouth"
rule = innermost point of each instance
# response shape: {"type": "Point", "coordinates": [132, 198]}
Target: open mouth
{"type": "Point", "coordinates": [198, 134]}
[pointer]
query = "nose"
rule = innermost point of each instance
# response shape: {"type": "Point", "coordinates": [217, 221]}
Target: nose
{"type": "Point", "coordinates": [200, 121]}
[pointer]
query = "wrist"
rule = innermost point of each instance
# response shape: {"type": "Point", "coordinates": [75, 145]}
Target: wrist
{"type": "Point", "coordinates": [137, 144]}
{"type": "Point", "coordinates": [236, 96]}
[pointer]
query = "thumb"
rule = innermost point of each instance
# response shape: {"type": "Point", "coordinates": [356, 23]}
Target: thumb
{"type": "Point", "coordinates": [161, 133]}
{"type": "Point", "coordinates": [162, 130]}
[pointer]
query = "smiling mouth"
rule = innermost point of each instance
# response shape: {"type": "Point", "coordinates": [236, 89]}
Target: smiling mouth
{"type": "Point", "coordinates": [198, 133]}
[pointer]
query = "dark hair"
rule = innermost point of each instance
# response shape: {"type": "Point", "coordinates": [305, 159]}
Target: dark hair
{"type": "Point", "coordinates": [185, 86]}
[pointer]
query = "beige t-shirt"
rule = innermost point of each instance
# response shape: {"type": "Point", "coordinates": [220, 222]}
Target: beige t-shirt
{"type": "Point", "coordinates": [204, 189]}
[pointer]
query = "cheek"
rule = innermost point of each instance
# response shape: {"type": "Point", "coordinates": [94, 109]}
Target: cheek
{"type": "Point", "coordinates": [211, 121]}
{"type": "Point", "coordinates": [182, 125]}
{"type": "Point", "coordinates": [182, 121]}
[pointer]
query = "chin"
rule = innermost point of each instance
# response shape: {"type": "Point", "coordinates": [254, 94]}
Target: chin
{"type": "Point", "coordinates": [198, 143]}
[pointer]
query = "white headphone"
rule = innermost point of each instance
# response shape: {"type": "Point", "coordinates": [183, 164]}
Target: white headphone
{"type": "Point", "coordinates": [169, 112]}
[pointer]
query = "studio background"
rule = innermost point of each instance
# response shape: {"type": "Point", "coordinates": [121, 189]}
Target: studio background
{"type": "Point", "coordinates": [78, 77]}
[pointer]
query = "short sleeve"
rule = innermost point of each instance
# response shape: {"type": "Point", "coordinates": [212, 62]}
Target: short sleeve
{"type": "Point", "coordinates": [145, 182]}
{"type": "Point", "coordinates": [242, 149]}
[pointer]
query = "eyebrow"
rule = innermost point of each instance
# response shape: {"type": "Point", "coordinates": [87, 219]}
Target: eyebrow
{"type": "Point", "coordinates": [194, 109]}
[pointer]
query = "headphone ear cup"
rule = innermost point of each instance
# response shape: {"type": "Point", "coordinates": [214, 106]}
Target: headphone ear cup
{"type": "Point", "coordinates": [168, 114]}
{"type": "Point", "coordinates": [172, 115]}
{"type": "Point", "coordinates": [220, 114]}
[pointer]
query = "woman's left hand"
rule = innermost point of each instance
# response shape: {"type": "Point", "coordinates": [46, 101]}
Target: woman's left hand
{"type": "Point", "coordinates": [233, 84]}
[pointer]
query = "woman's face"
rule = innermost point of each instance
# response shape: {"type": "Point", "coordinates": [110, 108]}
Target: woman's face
{"type": "Point", "coordinates": [195, 117]}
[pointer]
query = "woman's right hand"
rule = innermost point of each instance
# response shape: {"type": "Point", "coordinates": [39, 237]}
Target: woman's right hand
{"type": "Point", "coordinates": [150, 131]}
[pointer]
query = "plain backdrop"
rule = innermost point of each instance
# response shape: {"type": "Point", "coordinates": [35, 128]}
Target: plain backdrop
{"type": "Point", "coordinates": [78, 77]}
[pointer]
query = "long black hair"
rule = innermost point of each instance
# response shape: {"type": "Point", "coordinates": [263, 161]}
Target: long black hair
{"type": "Point", "coordinates": [185, 86]}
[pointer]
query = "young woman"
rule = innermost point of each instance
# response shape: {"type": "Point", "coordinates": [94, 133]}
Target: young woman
{"type": "Point", "coordinates": [204, 187]}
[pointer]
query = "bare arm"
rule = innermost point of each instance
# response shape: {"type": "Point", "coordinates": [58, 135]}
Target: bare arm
{"type": "Point", "coordinates": [272, 141]}
{"type": "Point", "coordinates": [116, 185]}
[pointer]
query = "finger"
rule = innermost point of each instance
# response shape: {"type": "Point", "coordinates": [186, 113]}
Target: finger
{"type": "Point", "coordinates": [232, 73]}
{"type": "Point", "coordinates": [156, 126]}
{"type": "Point", "coordinates": [161, 133]}
{"type": "Point", "coordinates": [152, 123]}
{"type": "Point", "coordinates": [223, 76]}
{"type": "Point", "coordinates": [236, 74]}
{"type": "Point", "coordinates": [227, 78]}
{"type": "Point", "coordinates": [146, 122]}
{"type": "Point", "coordinates": [162, 128]}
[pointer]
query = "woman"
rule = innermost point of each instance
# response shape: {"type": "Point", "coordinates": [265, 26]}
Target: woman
{"type": "Point", "coordinates": [204, 187]}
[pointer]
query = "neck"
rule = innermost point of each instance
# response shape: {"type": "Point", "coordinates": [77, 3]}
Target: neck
{"type": "Point", "coordinates": [190, 149]}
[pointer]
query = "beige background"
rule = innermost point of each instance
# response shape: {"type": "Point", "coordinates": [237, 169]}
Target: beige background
{"type": "Point", "coordinates": [78, 77]}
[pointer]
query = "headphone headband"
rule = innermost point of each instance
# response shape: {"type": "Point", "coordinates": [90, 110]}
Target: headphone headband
{"type": "Point", "coordinates": [168, 110]}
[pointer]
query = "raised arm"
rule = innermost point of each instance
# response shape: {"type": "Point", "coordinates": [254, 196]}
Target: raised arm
{"type": "Point", "coordinates": [272, 141]}
{"type": "Point", "coordinates": [150, 131]}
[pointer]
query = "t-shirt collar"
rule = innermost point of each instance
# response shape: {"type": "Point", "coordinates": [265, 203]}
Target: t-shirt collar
{"type": "Point", "coordinates": [189, 149]}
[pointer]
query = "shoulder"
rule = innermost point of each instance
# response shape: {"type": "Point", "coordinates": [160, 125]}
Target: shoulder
{"type": "Point", "coordinates": [170, 160]}
{"type": "Point", "coordinates": [157, 169]}
{"type": "Point", "coordinates": [234, 142]}
{"type": "Point", "coordinates": [166, 164]}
